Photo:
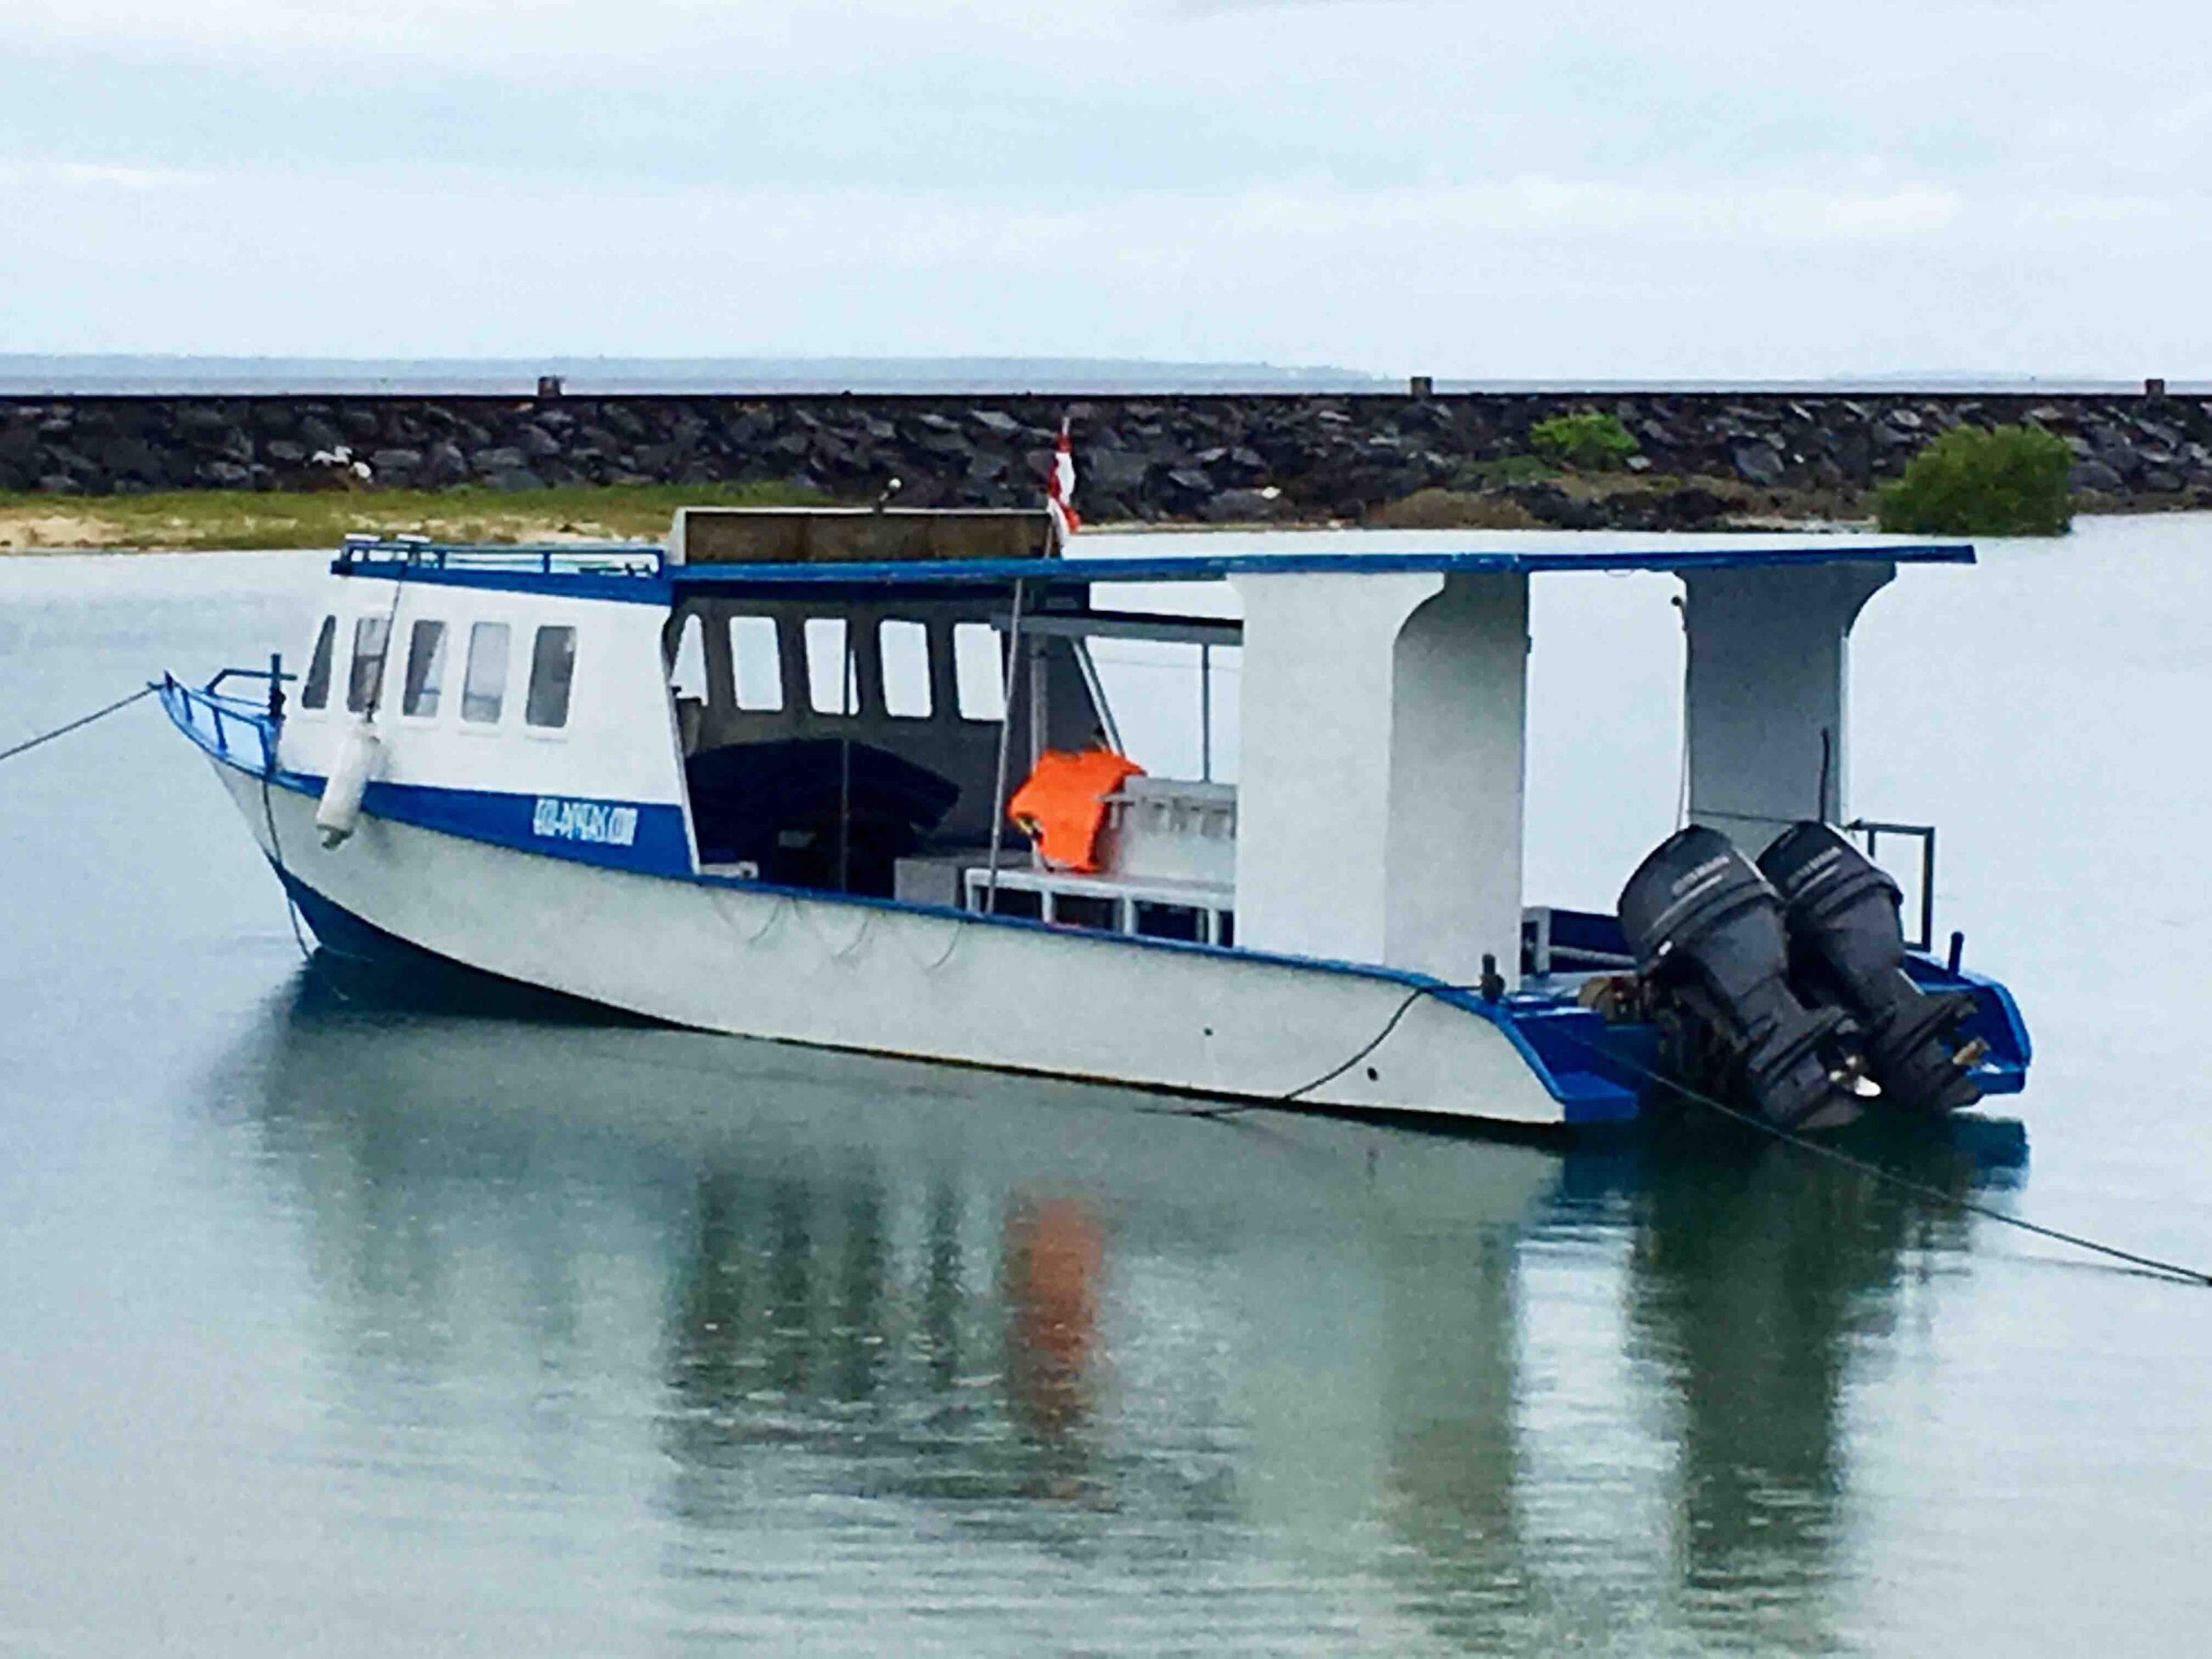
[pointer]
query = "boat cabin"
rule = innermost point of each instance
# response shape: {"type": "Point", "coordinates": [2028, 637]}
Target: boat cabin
{"type": "Point", "coordinates": [848, 702]}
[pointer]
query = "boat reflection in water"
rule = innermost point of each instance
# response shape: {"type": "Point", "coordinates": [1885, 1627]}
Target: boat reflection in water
{"type": "Point", "coordinates": [848, 1339]}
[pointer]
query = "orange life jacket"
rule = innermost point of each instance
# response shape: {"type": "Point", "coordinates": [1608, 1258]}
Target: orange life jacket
{"type": "Point", "coordinates": [1063, 802]}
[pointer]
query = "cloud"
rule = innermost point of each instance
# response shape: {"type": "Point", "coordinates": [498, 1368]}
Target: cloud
{"type": "Point", "coordinates": [1366, 182]}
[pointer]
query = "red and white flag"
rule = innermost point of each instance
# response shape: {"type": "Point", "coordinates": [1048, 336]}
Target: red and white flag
{"type": "Point", "coordinates": [1060, 488]}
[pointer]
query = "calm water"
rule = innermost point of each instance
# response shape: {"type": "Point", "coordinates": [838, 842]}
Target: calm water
{"type": "Point", "coordinates": [338, 1326]}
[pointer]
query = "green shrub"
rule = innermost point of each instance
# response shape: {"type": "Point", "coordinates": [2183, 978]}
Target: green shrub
{"type": "Point", "coordinates": [2011, 480]}
{"type": "Point", "coordinates": [1591, 441]}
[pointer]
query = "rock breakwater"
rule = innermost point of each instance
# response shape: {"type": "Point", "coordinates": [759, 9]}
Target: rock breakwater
{"type": "Point", "coordinates": [1702, 458]}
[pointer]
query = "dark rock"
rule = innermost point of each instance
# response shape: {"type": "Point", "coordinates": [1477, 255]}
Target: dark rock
{"type": "Point", "coordinates": [285, 451]}
{"type": "Point", "coordinates": [515, 479]}
{"type": "Point", "coordinates": [2095, 475]}
{"type": "Point", "coordinates": [205, 421]}
{"type": "Point", "coordinates": [1756, 462]}
{"type": "Point", "coordinates": [487, 462]}
{"type": "Point", "coordinates": [2161, 481]}
{"type": "Point", "coordinates": [997, 423]}
{"type": "Point", "coordinates": [537, 442]}
{"type": "Point", "coordinates": [59, 484]}
{"type": "Point", "coordinates": [226, 475]}
{"type": "Point", "coordinates": [443, 463]}
{"type": "Point", "coordinates": [1550, 504]}
{"type": "Point", "coordinates": [1689, 508]}
{"type": "Point", "coordinates": [394, 463]}
{"type": "Point", "coordinates": [2111, 442]}
{"type": "Point", "coordinates": [1117, 470]}
{"type": "Point", "coordinates": [1243, 506]}
{"type": "Point", "coordinates": [319, 433]}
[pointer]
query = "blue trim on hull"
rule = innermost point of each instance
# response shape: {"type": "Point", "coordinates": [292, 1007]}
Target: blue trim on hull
{"type": "Point", "coordinates": [342, 933]}
{"type": "Point", "coordinates": [582, 831]}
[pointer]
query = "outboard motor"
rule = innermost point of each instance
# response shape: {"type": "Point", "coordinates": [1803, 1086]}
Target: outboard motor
{"type": "Point", "coordinates": [1707, 931]}
{"type": "Point", "coordinates": [1846, 950]}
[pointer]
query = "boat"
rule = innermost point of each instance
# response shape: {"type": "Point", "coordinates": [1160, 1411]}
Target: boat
{"type": "Point", "coordinates": [850, 779]}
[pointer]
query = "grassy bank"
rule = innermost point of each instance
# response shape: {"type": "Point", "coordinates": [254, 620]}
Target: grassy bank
{"type": "Point", "coordinates": [194, 520]}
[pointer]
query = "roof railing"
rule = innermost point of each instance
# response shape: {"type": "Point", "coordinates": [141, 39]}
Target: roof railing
{"type": "Point", "coordinates": [362, 555]}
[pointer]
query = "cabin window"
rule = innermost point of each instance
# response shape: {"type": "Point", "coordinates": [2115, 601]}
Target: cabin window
{"type": "Point", "coordinates": [905, 651]}
{"type": "Point", "coordinates": [1158, 921]}
{"type": "Point", "coordinates": [757, 663]}
{"type": "Point", "coordinates": [829, 668]}
{"type": "Point", "coordinates": [315, 694]}
{"type": "Point", "coordinates": [979, 671]}
{"type": "Point", "coordinates": [426, 671]}
{"type": "Point", "coordinates": [483, 686]}
{"type": "Point", "coordinates": [363, 685]}
{"type": "Point", "coordinates": [1085, 910]}
{"type": "Point", "coordinates": [687, 671]}
{"type": "Point", "coordinates": [1019, 902]}
{"type": "Point", "coordinates": [552, 671]}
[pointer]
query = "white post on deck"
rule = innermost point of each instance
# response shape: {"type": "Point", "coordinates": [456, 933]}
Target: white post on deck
{"type": "Point", "coordinates": [1765, 697]}
{"type": "Point", "coordinates": [1381, 764]}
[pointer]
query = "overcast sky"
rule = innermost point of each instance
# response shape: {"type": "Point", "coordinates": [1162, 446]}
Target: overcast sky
{"type": "Point", "coordinates": [1711, 189]}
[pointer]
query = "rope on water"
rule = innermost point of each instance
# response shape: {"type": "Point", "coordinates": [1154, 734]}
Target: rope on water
{"type": "Point", "coordinates": [2178, 1272]}
{"type": "Point", "coordinates": [283, 878]}
{"type": "Point", "coordinates": [29, 744]}
{"type": "Point", "coordinates": [2175, 1270]}
{"type": "Point", "coordinates": [1335, 1072]}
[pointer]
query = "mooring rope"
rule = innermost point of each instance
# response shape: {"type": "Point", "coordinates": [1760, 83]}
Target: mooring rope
{"type": "Point", "coordinates": [28, 744]}
{"type": "Point", "coordinates": [2175, 1270]}
{"type": "Point", "coordinates": [268, 812]}
{"type": "Point", "coordinates": [2178, 1272]}
{"type": "Point", "coordinates": [284, 884]}
{"type": "Point", "coordinates": [959, 929]}
{"type": "Point", "coordinates": [1290, 1097]}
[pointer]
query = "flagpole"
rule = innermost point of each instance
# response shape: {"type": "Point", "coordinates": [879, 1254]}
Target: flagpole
{"type": "Point", "coordinates": [1059, 489]}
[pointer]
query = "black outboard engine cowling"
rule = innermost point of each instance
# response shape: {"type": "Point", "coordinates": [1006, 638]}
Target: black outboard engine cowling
{"type": "Point", "coordinates": [1706, 931]}
{"type": "Point", "coordinates": [1846, 950]}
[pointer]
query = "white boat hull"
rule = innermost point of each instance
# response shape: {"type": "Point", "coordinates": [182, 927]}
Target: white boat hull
{"type": "Point", "coordinates": [874, 978]}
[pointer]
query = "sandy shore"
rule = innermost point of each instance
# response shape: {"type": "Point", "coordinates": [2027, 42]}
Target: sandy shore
{"type": "Point", "coordinates": [243, 520]}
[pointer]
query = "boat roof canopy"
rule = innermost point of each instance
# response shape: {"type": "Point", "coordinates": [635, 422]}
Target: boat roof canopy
{"type": "Point", "coordinates": [644, 573]}
{"type": "Point", "coordinates": [1002, 574]}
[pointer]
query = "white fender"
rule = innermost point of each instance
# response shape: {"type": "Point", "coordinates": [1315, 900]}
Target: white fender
{"type": "Point", "coordinates": [358, 760]}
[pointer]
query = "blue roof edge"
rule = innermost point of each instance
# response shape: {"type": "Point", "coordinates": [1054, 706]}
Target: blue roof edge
{"type": "Point", "coordinates": [601, 570]}
{"type": "Point", "coordinates": [1215, 567]}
